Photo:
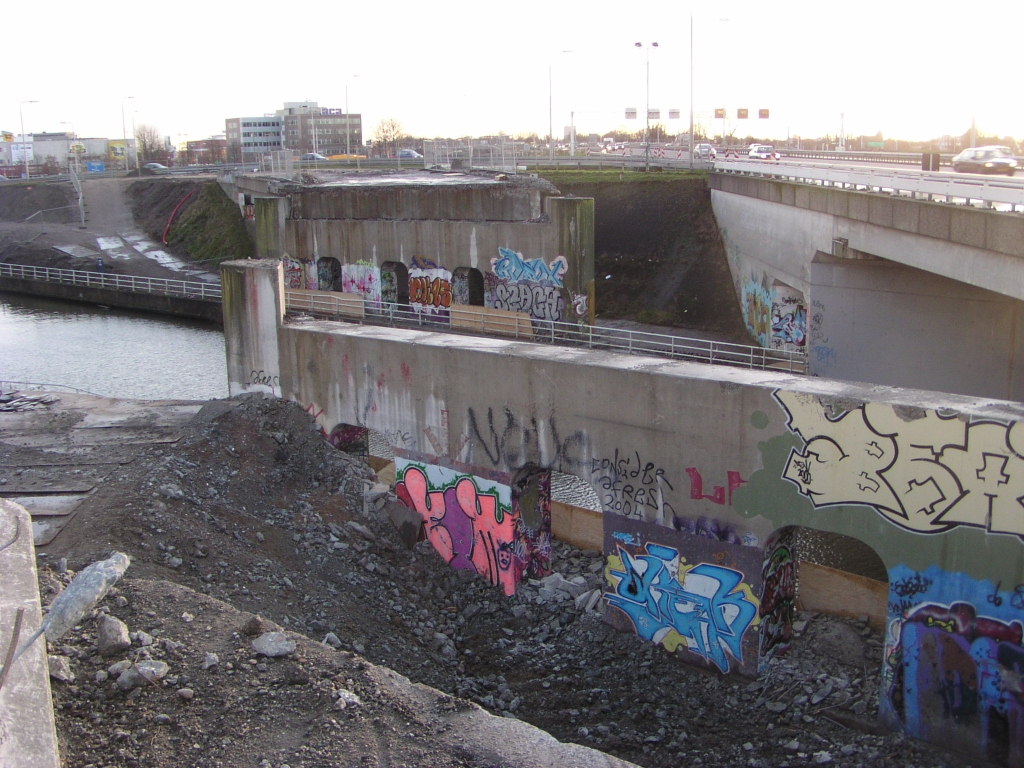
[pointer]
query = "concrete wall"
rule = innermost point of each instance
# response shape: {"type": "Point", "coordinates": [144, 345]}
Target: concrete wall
{"type": "Point", "coordinates": [700, 472]}
{"type": "Point", "coordinates": [533, 251]}
{"type": "Point", "coordinates": [179, 306]}
{"type": "Point", "coordinates": [875, 320]}
{"type": "Point", "coordinates": [772, 232]}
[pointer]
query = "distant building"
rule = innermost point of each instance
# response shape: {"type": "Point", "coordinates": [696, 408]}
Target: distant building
{"type": "Point", "coordinates": [205, 151]}
{"type": "Point", "coordinates": [250, 138]}
{"type": "Point", "coordinates": [301, 126]}
{"type": "Point", "coordinates": [48, 152]}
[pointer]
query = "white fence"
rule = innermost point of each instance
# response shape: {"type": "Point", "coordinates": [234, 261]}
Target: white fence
{"type": "Point", "coordinates": [967, 189]}
{"type": "Point", "coordinates": [183, 288]}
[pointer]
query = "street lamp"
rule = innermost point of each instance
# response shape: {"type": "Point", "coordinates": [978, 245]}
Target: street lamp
{"type": "Point", "coordinates": [24, 149]}
{"type": "Point", "coordinates": [124, 133]}
{"type": "Point", "coordinates": [64, 122]}
{"type": "Point", "coordinates": [647, 127]}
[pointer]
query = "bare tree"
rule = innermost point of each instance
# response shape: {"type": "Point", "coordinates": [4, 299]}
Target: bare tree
{"type": "Point", "coordinates": [149, 144]}
{"type": "Point", "coordinates": [387, 131]}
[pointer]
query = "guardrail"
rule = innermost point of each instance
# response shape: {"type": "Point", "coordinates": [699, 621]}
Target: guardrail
{"type": "Point", "coordinates": [551, 332]}
{"type": "Point", "coordinates": [889, 158]}
{"type": "Point", "coordinates": [158, 285]}
{"type": "Point", "coordinates": [966, 188]}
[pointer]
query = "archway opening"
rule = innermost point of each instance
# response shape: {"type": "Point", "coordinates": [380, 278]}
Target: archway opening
{"type": "Point", "coordinates": [468, 287]}
{"type": "Point", "coordinates": [328, 273]}
{"type": "Point", "coordinates": [394, 283]}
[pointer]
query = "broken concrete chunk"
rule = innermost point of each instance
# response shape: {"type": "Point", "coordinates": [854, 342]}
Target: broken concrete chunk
{"type": "Point", "coordinates": [60, 669]}
{"type": "Point", "coordinates": [273, 644]}
{"type": "Point", "coordinates": [111, 636]}
{"type": "Point", "coordinates": [144, 671]}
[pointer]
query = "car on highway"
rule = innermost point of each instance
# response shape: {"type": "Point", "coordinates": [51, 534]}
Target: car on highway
{"type": "Point", "coordinates": [154, 168]}
{"type": "Point", "coordinates": [310, 157]}
{"type": "Point", "coordinates": [704, 152]}
{"type": "Point", "coordinates": [408, 154]}
{"type": "Point", "coordinates": [986, 160]}
{"type": "Point", "coordinates": [762, 152]}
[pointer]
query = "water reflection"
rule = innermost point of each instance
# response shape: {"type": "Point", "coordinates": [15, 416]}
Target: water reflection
{"type": "Point", "coordinates": [110, 352]}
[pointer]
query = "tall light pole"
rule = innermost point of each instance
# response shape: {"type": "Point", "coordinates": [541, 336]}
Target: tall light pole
{"type": "Point", "coordinates": [647, 125]}
{"type": "Point", "coordinates": [24, 149]}
{"type": "Point", "coordinates": [64, 122]}
{"type": "Point", "coordinates": [691, 90]}
{"type": "Point", "coordinates": [124, 132]}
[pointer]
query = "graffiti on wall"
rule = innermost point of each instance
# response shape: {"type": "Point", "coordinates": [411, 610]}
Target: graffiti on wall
{"type": "Point", "coordinates": [516, 284]}
{"type": "Point", "coordinates": [328, 273]}
{"type": "Point", "coordinates": [467, 519]}
{"type": "Point", "coordinates": [531, 509]}
{"type": "Point", "coordinates": [293, 273]}
{"type": "Point", "coordinates": [757, 309]}
{"type": "Point", "coordinates": [350, 438]}
{"type": "Point", "coordinates": [688, 594]}
{"type": "Point", "coordinates": [778, 598]}
{"type": "Point", "coordinates": [364, 279]}
{"type": "Point", "coordinates": [789, 319]}
{"type": "Point", "coordinates": [430, 287]}
{"type": "Point", "coordinates": [513, 268]}
{"type": "Point", "coordinates": [508, 441]}
{"type": "Point", "coordinates": [953, 663]}
{"type": "Point", "coordinates": [632, 487]}
{"type": "Point", "coordinates": [921, 469]}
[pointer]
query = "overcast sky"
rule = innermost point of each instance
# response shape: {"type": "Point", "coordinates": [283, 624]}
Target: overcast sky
{"type": "Point", "coordinates": [449, 68]}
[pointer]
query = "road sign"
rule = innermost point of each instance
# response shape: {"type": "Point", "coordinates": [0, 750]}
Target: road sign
{"type": "Point", "coordinates": [762, 114]}
{"type": "Point", "coordinates": [719, 114]}
{"type": "Point", "coordinates": [654, 114]}
{"type": "Point", "coordinates": [741, 114]}
{"type": "Point", "coordinates": [631, 113]}
{"type": "Point", "coordinates": [673, 114]}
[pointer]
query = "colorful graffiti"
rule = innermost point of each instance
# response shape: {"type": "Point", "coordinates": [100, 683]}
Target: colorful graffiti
{"type": "Point", "coordinates": [430, 287]}
{"type": "Point", "coordinates": [579, 304]}
{"type": "Point", "coordinates": [513, 268]}
{"type": "Point", "coordinates": [293, 273]}
{"type": "Point", "coordinates": [757, 309]}
{"type": "Point", "coordinates": [778, 597]}
{"type": "Point", "coordinates": [789, 319]}
{"type": "Point", "coordinates": [710, 528]}
{"type": "Point", "coordinates": [364, 279]}
{"type": "Point", "coordinates": [717, 496]}
{"type": "Point", "coordinates": [922, 470]}
{"type": "Point", "coordinates": [350, 438]}
{"type": "Point", "coordinates": [540, 302]}
{"type": "Point", "coordinates": [705, 609]}
{"type": "Point", "coordinates": [531, 508]}
{"type": "Point", "coordinates": [953, 664]}
{"type": "Point", "coordinates": [468, 519]}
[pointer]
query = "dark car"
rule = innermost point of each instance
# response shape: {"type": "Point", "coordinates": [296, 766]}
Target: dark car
{"type": "Point", "coordinates": [154, 168]}
{"type": "Point", "coordinates": [985, 160]}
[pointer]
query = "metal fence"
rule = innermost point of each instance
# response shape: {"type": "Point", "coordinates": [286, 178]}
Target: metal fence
{"type": "Point", "coordinates": [550, 332]}
{"type": "Point", "coordinates": [183, 288]}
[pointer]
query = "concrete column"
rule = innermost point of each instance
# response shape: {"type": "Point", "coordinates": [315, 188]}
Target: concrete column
{"type": "Point", "coordinates": [271, 214]}
{"type": "Point", "coordinates": [28, 737]}
{"type": "Point", "coordinates": [573, 220]}
{"type": "Point", "coordinates": [253, 304]}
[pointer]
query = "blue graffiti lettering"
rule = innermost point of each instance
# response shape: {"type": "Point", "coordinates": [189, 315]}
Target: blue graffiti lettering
{"type": "Point", "coordinates": [512, 267]}
{"type": "Point", "coordinates": [706, 609]}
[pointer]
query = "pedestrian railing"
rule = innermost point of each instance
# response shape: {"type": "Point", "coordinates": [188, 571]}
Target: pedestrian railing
{"type": "Point", "coordinates": [482, 321]}
{"type": "Point", "coordinates": [158, 285]}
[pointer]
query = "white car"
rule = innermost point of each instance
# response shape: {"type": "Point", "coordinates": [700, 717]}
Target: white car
{"type": "Point", "coordinates": [762, 152]}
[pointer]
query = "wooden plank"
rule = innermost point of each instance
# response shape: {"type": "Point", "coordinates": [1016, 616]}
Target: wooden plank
{"type": "Point", "coordinates": [838, 593]}
{"type": "Point", "coordinates": [499, 322]}
{"type": "Point", "coordinates": [583, 528]}
{"type": "Point", "coordinates": [326, 302]}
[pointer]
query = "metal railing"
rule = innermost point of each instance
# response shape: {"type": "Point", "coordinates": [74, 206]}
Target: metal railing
{"type": "Point", "coordinates": [856, 156]}
{"type": "Point", "coordinates": [964, 188]}
{"type": "Point", "coordinates": [525, 328]}
{"type": "Point", "coordinates": [157, 285]}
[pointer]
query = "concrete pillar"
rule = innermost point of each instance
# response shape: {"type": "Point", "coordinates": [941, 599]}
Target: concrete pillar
{"type": "Point", "coordinates": [28, 737]}
{"type": "Point", "coordinates": [573, 220]}
{"type": "Point", "coordinates": [271, 214]}
{"type": "Point", "coordinates": [253, 304]}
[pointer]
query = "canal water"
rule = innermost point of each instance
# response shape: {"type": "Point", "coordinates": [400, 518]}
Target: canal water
{"type": "Point", "coordinates": [111, 352]}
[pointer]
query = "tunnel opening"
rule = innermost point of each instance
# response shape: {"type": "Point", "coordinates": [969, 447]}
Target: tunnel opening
{"type": "Point", "coordinates": [328, 273]}
{"type": "Point", "coordinates": [394, 283]}
{"type": "Point", "coordinates": [468, 287]}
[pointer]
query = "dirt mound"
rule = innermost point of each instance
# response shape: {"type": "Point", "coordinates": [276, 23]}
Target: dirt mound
{"type": "Point", "coordinates": [207, 227]}
{"type": "Point", "coordinates": [252, 506]}
{"type": "Point", "coordinates": [19, 201]}
{"type": "Point", "coordinates": [659, 257]}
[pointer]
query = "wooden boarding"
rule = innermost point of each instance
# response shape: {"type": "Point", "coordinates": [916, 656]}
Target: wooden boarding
{"type": "Point", "coordinates": [583, 528]}
{"type": "Point", "coordinates": [325, 302]}
{"type": "Point", "coordinates": [498, 322]}
{"type": "Point", "coordinates": [838, 593]}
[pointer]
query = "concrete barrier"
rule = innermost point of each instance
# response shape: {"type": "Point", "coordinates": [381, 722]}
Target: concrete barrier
{"type": "Point", "coordinates": [28, 737]}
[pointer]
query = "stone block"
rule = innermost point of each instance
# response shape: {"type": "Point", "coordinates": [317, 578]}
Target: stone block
{"type": "Point", "coordinates": [1004, 233]}
{"type": "Point", "coordinates": [880, 210]}
{"type": "Point", "coordinates": [933, 220]}
{"type": "Point", "coordinates": [905, 214]}
{"type": "Point", "coordinates": [967, 226]}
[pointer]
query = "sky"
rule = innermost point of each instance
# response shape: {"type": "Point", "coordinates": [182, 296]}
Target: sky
{"type": "Point", "coordinates": [910, 69]}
